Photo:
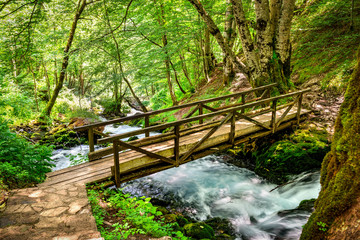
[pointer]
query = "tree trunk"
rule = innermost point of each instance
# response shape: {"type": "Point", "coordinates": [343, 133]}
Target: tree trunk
{"type": "Point", "coordinates": [120, 64]}
{"type": "Point", "coordinates": [184, 68]}
{"type": "Point", "coordinates": [65, 62]}
{"type": "Point", "coordinates": [229, 39]}
{"type": "Point", "coordinates": [35, 88]}
{"type": "Point", "coordinates": [176, 78]}
{"type": "Point", "coordinates": [167, 58]}
{"type": "Point", "coordinates": [268, 55]}
{"type": "Point", "coordinates": [207, 55]}
{"type": "Point", "coordinates": [339, 198]}
{"type": "Point", "coordinates": [47, 81]}
{"type": "Point", "coordinates": [352, 15]}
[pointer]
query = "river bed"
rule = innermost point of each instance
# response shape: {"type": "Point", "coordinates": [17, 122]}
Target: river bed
{"type": "Point", "coordinates": [210, 187]}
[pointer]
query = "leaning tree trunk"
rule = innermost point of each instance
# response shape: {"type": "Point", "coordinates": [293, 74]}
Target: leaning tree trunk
{"type": "Point", "coordinates": [337, 207]}
{"type": "Point", "coordinates": [59, 84]}
{"type": "Point", "coordinates": [268, 54]}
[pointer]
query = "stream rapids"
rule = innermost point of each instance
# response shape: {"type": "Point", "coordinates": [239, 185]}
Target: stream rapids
{"type": "Point", "coordinates": [210, 187]}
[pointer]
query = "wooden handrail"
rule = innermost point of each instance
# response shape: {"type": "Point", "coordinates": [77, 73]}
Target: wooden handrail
{"type": "Point", "coordinates": [200, 117]}
{"type": "Point", "coordinates": [136, 116]}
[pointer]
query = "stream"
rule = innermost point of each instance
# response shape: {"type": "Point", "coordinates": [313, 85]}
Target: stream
{"type": "Point", "coordinates": [210, 187]}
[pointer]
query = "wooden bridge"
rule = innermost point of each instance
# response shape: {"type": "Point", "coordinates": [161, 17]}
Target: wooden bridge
{"type": "Point", "coordinates": [204, 129]}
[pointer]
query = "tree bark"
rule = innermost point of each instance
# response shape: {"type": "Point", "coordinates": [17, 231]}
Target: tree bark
{"type": "Point", "coordinates": [339, 198]}
{"type": "Point", "coordinates": [120, 64]}
{"type": "Point", "coordinates": [184, 68]}
{"type": "Point", "coordinates": [268, 53]}
{"type": "Point", "coordinates": [229, 36]}
{"type": "Point", "coordinates": [47, 111]}
{"type": "Point", "coordinates": [48, 86]}
{"type": "Point", "coordinates": [214, 30]}
{"type": "Point", "coordinates": [167, 58]}
{"type": "Point", "coordinates": [176, 78]}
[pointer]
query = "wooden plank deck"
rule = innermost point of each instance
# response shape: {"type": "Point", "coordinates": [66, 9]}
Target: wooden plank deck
{"type": "Point", "coordinates": [132, 161]}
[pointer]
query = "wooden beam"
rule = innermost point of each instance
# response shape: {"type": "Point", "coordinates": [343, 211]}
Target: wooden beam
{"type": "Point", "coordinates": [252, 121]}
{"type": "Point", "coordinates": [91, 139]}
{"type": "Point", "coordinates": [286, 112]}
{"type": "Point", "coordinates": [143, 151]}
{"type": "Point", "coordinates": [118, 120]}
{"type": "Point", "coordinates": [208, 115]}
{"type": "Point", "coordinates": [177, 145]}
{"type": "Point", "coordinates": [211, 132]}
{"type": "Point", "coordinates": [116, 163]}
{"type": "Point", "coordinates": [147, 124]}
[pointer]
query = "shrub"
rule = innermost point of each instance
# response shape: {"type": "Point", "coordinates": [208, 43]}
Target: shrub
{"type": "Point", "coordinates": [21, 163]}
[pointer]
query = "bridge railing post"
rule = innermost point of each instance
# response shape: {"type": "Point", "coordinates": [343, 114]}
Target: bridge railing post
{"type": "Point", "coordinates": [299, 108]}
{"type": "Point", "coordinates": [147, 124]}
{"type": "Point", "coordinates": [232, 129]}
{"type": "Point", "coordinates": [201, 112]}
{"type": "Point", "coordinates": [116, 162]}
{"type": "Point", "coordinates": [177, 145]}
{"type": "Point", "coordinates": [91, 139]}
{"type": "Point", "coordinates": [273, 116]}
{"type": "Point", "coordinates": [243, 101]}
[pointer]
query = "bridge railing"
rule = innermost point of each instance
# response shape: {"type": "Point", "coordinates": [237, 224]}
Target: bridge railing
{"type": "Point", "coordinates": [199, 107]}
{"type": "Point", "coordinates": [232, 114]}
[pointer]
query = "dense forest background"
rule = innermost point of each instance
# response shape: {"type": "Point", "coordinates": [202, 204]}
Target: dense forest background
{"type": "Point", "coordinates": [151, 53]}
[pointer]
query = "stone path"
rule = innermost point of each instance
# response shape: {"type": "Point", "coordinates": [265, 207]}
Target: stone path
{"type": "Point", "coordinates": [48, 213]}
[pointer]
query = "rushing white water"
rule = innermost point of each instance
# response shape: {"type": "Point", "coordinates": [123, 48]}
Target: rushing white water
{"type": "Point", "coordinates": [61, 157]}
{"type": "Point", "coordinates": [209, 187]}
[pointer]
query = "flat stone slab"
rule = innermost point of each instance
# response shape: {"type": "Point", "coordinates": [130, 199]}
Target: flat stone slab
{"type": "Point", "coordinates": [48, 213]}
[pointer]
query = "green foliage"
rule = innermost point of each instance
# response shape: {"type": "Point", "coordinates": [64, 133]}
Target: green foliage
{"type": "Point", "coordinates": [301, 151]}
{"type": "Point", "coordinates": [322, 226]}
{"type": "Point", "coordinates": [323, 43]}
{"type": "Point", "coordinates": [21, 163]}
{"type": "Point", "coordinates": [138, 216]}
{"type": "Point", "coordinates": [16, 104]}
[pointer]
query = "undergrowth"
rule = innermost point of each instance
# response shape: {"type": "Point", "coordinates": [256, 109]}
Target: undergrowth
{"type": "Point", "coordinates": [134, 216]}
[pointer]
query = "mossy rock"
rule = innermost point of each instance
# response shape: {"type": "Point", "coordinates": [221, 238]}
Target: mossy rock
{"type": "Point", "coordinates": [182, 221]}
{"type": "Point", "coordinates": [162, 209]}
{"type": "Point", "coordinates": [170, 218]}
{"type": "Point", "coordinates": [199, 230]}
{"type": "Point", "coordinates": [307, 205]}
{"type": "Point", "coordinates": [302, 151]}
{"type": "Point", "coordinates": [221, 226]}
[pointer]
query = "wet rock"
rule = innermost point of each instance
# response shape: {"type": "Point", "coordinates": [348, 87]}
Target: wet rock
{"type": "Point", "coordinates": [170, 218]}
{"type": "Point", "coordinates": [221, 226]}
{"type": "Point", "coordinates": [199, 230]}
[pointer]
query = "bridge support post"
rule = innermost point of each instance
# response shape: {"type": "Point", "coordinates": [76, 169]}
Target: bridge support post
{"type": "Point", "coordinates": [177, 145]}
{"type": "Point", "coordinates": [232, 129]}
{"type": "Point", "coordinates": [147, 124]}
{"type": "Point", "coordinates": [201, 112]}
{"type": "Point", "coordinates": [243, 102]}
{"type": "Point", "coordinates": [91, 139]}
{"type": "Point", "coordinates": [273, 116]}
{"type": "Point", "coordinates": [116, 163]}
{"type": "Point", "coordinates": [299, 109]}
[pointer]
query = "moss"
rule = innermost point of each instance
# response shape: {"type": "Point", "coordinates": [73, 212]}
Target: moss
{"type": "Point", "coordinates": [340, 173]}
{"type": "Point", "coordinates": [301, 151]}
{"type": "Point", "coordinates": [199, 230]}
{"type": "Point", "coordinates": [170, 218]}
